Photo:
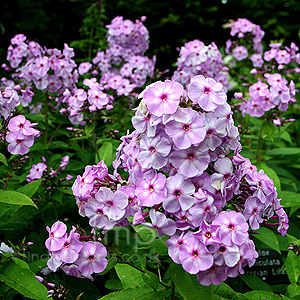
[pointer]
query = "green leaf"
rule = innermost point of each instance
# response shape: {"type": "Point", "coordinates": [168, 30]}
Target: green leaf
{"type": "Point", "coordinates": [272, 174]}
{"type": "Point", "coordinates": [225, 292]}
{"type": "Point", "coordinates": [15, 198]}
{"type": "Point", "coordinates": [292, 267]}
{"type": "Point", "coordinates": [286, 137]}
{"type": "Point", "coordinates": [105, 153]}
{"type": "Point", "coordinates": [293, 290]}
{"type": "Point", "coordinates": [89, 129]}
{"type": "Point", "coordinates": [30, 188]}
{"type": "Point", "coordinates": [129, 276]}
{"type": "Point", "coordinates": [3, 159]}
{"type": "Point", "coordinates": [23, 281]}
{"type": "Point", "coordinates": [284, 151]}
{"type": "Point", "coordinates": [289, 199]}
{"type": "Point", "coordinates": [268, 237]}
{"type": "Point", "coordinates": [268, 128]}
{"type": "Point", "coordinates": [141, 293]}
{"type": "Point", "coordinates": [255, 282]}
{"type": "Point", "coordinates": [187, 285]}
{"type": "Point", "coordinates": [148, 235]}
{"type": "Point", "coordinates": [151, 279]}
{"type": "Point", "coordinates": [262, 295]}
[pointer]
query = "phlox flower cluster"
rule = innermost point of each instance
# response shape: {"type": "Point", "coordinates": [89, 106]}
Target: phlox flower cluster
{"type": "Point", "coordinates": [128, 35]}
{"type": "Point", "coordinates": [21, 135]}
{"type": "Point", "coordinates": [10, 98]}
{"type": "Point", "coordinates": [38, 170]}
{"type": "Point", "coordinates": [181, 183]}
{"type": "Point", "coordinates": [76, 255]}
{"type": "Point", "coordinates": [275, 92]}
{"type": "Point", "coordinates": [245, 30]}
{"type": "Point", "coordinates": [46, 69]}
{"type": "Point", "coordinates": [197, 59]}
{"type": "Point", "coordinates": [121, 68]}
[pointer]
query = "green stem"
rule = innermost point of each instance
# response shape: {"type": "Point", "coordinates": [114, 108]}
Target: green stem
{"type": "Point", "coordinates": [173, 290]}
{"type": "Point", "coordinates": [95, 143]}
{"type": "Point", "coordinates": [259, 145]}
{"type": "Point", "coordinates": [46, 119]}
{"type": "Point", "coordinates": [90, 42]}
{"type": "Point", "coordinates": [57, 128]}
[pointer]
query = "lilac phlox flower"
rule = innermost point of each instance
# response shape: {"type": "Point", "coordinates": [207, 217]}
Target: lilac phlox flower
{"type": "Point", "coordinates": [131, 208]}
{"type": "Point", "coordinates": [248, 256]}
{"type": "Point", "coordinates": [259, 89]}
{"type": "Point", "coordinates": [36, 171]}
{"type": "Point", "coordinates": [206, 92]}
{"type": "Point", "coordinates": [224, 254]}
{"type": "Point", "coordinates": [214, 275]}
{"type": "Point", "coordinates": [84, 184]}
{"type": "Point", "coordinates": [93, 209]}
{"type": "Point", "coordinates": [19, 143]}
{"type": "Point", "coordinates": [189, 132]}
{"type": "Point", "coordinates": [100, 170]}
{"type": "Point", "coordinates": [283, 221]}
{"type": "Point", "coordinates": [223, 173]}
{"type": "Point", "coordinates": [194, 256]}
{"type": "Point", "coordinates": [164, 225]}
{"type": "Point", "coordinates": [72, 270]}
{"type": "Point", "coordinates": [97, 97]}
{"type": "Point", "coordinates": [92, 258]}
{"type": "Point", "coordinates": [253, 211]}
{"type": "Point", "coordinates": [180, 191]}
{"type": "Point", "coordinates": [257, 60]}
{"type": "Point", "coordinates": [183, 220]}
{"type": "Point", "coordinates": [233, 227]}
{"type": "Point", "coordinates": [5, 249]}
{"type": "Point", "coordinates": [114, 204]}
{"type": "Point", "coordinates": [71, 247]}
{"type": "Point", "coordinates": [163, 97]}
{"type": "Point", "coordinates": [254, 108]}
{"type": "Point", "coordinates": [151, 190]}
{"type": "Point", "coordinates": [208, 234]}
{"type": "Point", "coordinates": [64, 162]}
{"type": "Point", "coordinates": [190, 162]}
{"type": "Point", "coordinates": [84, 67]}
{"type": "Point", "coordinates": [205, 210]}
{"type": "Point", "coordinates": [276, 81]}
{"type": "Point", "coordinates": [240, 53]}
{"type": "Point", "coordinates": [19, 124]}
{"type": "Point", "coordinates": [174, 243]}
{"type": "Point", "coordinates": [57, 236]}
{"type": "Point", "coordinates": [154, 152]}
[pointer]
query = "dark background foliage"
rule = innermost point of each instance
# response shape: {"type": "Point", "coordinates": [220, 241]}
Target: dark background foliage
{"type": "Point", "coordinates": [170, 23]}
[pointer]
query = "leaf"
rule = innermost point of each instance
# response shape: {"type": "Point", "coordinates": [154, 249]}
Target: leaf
{"type": "Point", "coordinates": [30, 188]}
{"type": "Point", "coordinates": [289, 199]}
{"type": "Point", "coordinates": [284, 151]}
{"type": "Point", "coordinates": [187, 285]}
{"type": "Point", "coordinates": [105, 153]}
{"type": "Point", "coordinates": [23, 281]}
{"type": "Point", "coordinates": [292, 267]}
{"type": "Point", "coordinates": [141, 293]}
{"type": "Point", "coordinates": [147, 234]}
{"type": "Point", "coordinates": [15, 198]}
{"type": "Point", "coordinates": [262, 295]}
{"type": "Point", "coordinates": [268, 237]}
{"type": "Point", "coordinates": [293, 290]}
{"type": "Point", "coordinates": [3, 159]}
{"type": "Point", "coordinates": [255, 282]}
{"type": "Point", "coordinates": [272, 174]}
{"type": "Point", "coordinates": [129, 276]}
{"type": "Point", "coordinates": [89, 129]}
{"type": "Point", "coordinates": [269, 129]}
{"type": "Point", "coordinates": [225, 292]}
{"type": "Point", "coordinates": [151, 279]}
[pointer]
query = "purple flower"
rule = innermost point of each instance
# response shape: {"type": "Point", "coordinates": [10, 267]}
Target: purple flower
{"type": "Point", "coordinates": [114, 204]}
{"type": "Point", "coordinates": [179, 194]}
{"type": "Point", "coordinates": [206, 92]}
{"type": "Point", "coordinates": [189, 132]}
{"type": "Point", "coordinates": [164, 225]}
{"type": "Point", "coordinates": [19, 143]}
{"type": "Point", "coordinates": [154, 152]}
{"type": "Point", "coordinates": [240, 53]}
{"type": "Point", "coordinates": [253, 211]}
{"type": "Point", "coordinates": [92, 258]}
{"type": "Point", "coordinates": [214, 275]}
{"type": "Point", "coordinates": [233, 227]}
{"type": "Point", "coordinates": [163, 97]}
{"type": "Point", "coordinates": [190, 162]}
{"type": "Point", "coordinates": [151, 190]}
{"type": "Point", "coordinates": [194, 256]}
{"type": "Point", "coordinates": [57, 235]}
{"type": "Point", "coordinates": [71, 247]}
